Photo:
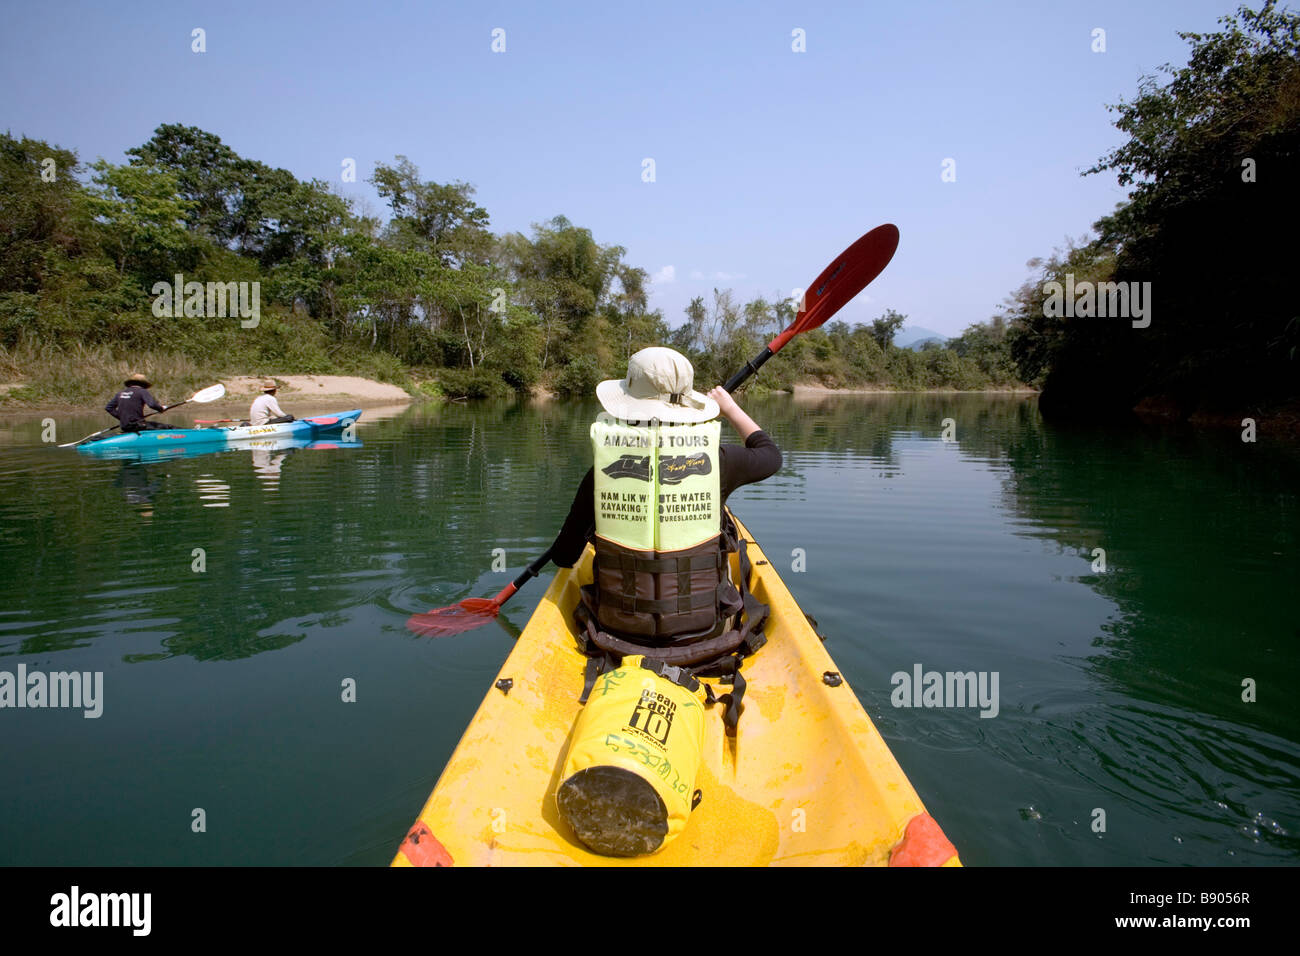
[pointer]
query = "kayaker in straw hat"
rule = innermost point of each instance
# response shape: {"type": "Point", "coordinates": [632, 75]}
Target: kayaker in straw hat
{"type": "Point", "coordinates": [128, 405]}
{"type": "Point", "coordinates": [265, 409]}
{"type": "Point", "coordinates": [660, 571]}
{"type": "Point", "coordinates": [663, 598]}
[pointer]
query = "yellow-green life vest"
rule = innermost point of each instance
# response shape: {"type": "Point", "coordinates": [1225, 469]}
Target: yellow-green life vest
{"type": "Point", "coordinates": [657, 485]}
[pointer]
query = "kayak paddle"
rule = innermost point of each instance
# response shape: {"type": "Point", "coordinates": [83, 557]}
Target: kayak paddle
{"type": "Point", "coordinates": [846, 276]}
{"type": "Point", "coordinates": [209, 394]}
{"type": "Point", "coordinates": [472, 612]}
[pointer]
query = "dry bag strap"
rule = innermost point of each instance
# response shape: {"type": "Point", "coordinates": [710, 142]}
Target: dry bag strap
{"type": "Point", "coordinates": [598, 659]}
{"type": "Point", "coordinates": [756, 611]}
{"type": "Point", "coordinates": [595, 667]}
{"type": "Point", "coordinates": [676, 654]}
{"type": "Point", "coordinates": [728, 667]}
{"type": "Point", "coordinates": [677, 675]}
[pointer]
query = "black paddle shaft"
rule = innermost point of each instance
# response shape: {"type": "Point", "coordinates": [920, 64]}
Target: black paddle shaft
{"type": "Point", "coordinates": [750, 368]}
{"type": "Point", "coordinates": [533, 569]}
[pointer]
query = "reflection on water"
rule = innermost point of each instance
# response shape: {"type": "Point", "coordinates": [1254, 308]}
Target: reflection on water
{"type": "Point", "coordinates": [213, 492]}
{"type": "Point", "coordinates": [138, 488]}
{"type": "Point", "coordinates": [268, 456]}
{"type": "Point", "coordinates": [1120, 686]}
{"type": "Point", "coordinates": [267, 464]}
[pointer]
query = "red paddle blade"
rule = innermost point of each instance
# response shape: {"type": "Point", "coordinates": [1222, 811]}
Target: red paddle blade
{"type": "Point", "coordinates": [847, 275]}
{"type": "Point", "coordinates": [465, 616]}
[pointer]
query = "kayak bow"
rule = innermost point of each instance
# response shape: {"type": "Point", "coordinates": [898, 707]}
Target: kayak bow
{"type": "Point", "coordinates": [807, 780]}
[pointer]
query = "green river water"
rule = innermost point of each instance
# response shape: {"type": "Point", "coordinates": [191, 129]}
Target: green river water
{"type": "Point", "coordinates": [1119, 689]}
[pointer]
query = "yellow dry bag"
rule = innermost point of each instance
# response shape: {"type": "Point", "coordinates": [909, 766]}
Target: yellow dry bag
{"type": "Point", "coordinates": [629, 777]}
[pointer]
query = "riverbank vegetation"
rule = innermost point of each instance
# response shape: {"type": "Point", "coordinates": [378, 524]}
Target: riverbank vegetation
{"type": "Point", "coordinates": [1212, 159]}
{"type": "Point", "coordinates": [431, 299]}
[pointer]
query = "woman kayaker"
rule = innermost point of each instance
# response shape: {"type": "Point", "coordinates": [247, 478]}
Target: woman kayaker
{"type": "Point", "coordinates": [663, 607]}
{"type": "Point", "coordinates": [128, 405]}
{"type": "Point", "coordinates": [265, 410]}
{"type": "Point", "coordinates": [645, 557]}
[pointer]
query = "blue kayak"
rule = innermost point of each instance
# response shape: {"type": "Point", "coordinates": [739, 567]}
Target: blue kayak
{"type": "Point", "coordinates": [157, 453]}
{"type": "Point", "coordinates": [176, 441]}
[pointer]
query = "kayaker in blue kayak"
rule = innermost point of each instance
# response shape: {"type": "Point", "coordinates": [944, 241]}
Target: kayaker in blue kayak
{"type": "Point", "coordinates": [265, 409]}
{"type": "Point", "coordinates": [128, 405]}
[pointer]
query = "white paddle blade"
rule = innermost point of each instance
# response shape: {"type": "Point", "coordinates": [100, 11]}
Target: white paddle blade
{"type": "Point", "coordinates": [209, 394]}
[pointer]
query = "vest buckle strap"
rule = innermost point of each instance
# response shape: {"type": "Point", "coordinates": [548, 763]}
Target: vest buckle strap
{"type": "Point", "coordinates": [632, 563]}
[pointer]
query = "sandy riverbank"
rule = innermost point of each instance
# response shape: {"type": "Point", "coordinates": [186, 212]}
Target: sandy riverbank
{"type": "Point", "coordinates": [296, 387]}
{"type": "Point", "coordinates": [298, 395]}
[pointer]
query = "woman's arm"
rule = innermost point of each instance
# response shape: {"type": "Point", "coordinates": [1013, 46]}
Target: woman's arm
{"type": "Point", "coordinates": [742, 423]}
{"type": "Point", "coordinates": [758, 459]}
{"type": "Point", "coordinates": [578, 526]}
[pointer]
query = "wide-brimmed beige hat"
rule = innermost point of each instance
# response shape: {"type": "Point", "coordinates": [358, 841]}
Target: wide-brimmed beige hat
{"type": "Point", "coordinates": [269, 385]}
{"type": "Point", "coordinates": [135, 378]}
{"type": "Point", "coordinates": [659, 384]}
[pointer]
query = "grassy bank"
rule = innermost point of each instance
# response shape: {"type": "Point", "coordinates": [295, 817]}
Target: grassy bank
{"type": "Point", "coordinates": [33, 375]}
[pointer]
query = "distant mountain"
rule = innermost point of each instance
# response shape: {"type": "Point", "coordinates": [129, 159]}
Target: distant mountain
{"type": "Point", "coordinates": [920, 344]}
{"type": "Point", "coordinates": [914, 336]}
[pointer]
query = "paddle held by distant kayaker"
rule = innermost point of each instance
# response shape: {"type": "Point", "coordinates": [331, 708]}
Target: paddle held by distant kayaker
{"type": "Point", "coordinates": [128, 406]}
{"type": "Point", "coordinates": [265, 409]}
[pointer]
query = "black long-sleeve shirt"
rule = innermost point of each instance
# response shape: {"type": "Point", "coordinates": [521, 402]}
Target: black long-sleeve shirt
{"type": "Point", "coordinates": [128, 405]}
{"type": "Point", "coordinates": [757, 459]}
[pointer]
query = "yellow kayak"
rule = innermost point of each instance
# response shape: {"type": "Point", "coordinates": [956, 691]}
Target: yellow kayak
{"type": "Point", "coordinates": [806, 781]}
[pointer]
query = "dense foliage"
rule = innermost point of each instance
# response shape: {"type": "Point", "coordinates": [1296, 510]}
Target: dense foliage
{"type": "Point", "coordinates": [429, 297]}
{"type": "Point", "coordinates": [432, 298]}
{"type": "Point", "coordinates": [1211, 159]}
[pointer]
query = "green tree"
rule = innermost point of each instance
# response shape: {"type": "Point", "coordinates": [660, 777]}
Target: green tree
{"type": "Point", "coordinates": [441, 218]}
{"type": "Point", "coordinates": [144, 219]}
{"type": "Point", "coordinates": [986, 346]}
{"type": "Point", "coordinates": [206, 174]}
{"type": "Point", "coordinates": [43, 221]}
{"type": "Point", "coordinates": [886, 327]}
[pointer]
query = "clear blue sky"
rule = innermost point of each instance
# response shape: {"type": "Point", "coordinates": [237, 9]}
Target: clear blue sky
{"type": "Point", "coordinates": [769, 162]}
